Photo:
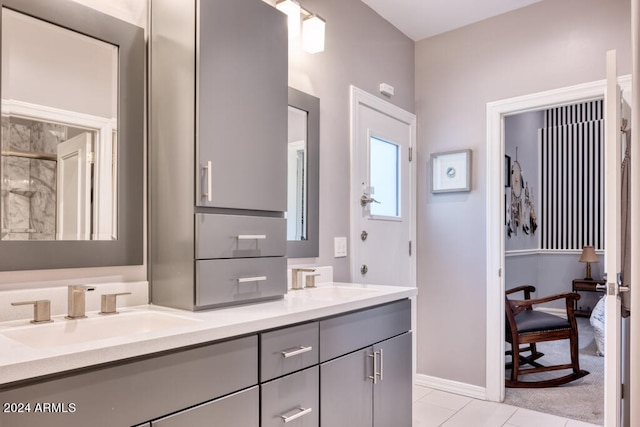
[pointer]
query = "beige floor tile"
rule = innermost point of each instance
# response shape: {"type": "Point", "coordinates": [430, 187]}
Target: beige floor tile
{"type": "Point", "coordinates": [481, 414]}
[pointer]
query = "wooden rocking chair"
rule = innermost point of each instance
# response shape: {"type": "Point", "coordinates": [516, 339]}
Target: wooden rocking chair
{"type": "Point", "coordinates": [526, 327]}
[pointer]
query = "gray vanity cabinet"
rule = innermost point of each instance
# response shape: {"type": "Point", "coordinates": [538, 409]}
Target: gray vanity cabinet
{"type": "Point", "coordinates": [351, 396]}
{"type": "Point", "coordinates": [217, 151]}
{"type": "Point", "coordinates": [367, 384]}
{"type": "Point", "coordinates": [242, 105]}
{"type": "Point", "coordinates": [209, 380]}
{"type": "Point", "coordinates": [289, 376]}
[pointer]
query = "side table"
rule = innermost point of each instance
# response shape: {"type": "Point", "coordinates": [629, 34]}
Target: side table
{"type": "Point", "coordinates": [585, 285]}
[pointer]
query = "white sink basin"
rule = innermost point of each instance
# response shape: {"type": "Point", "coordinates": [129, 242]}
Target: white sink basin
{"type": "Point", "coordinates": [66, 332]}
{"type": "Point", "coordinates": [332, 293]}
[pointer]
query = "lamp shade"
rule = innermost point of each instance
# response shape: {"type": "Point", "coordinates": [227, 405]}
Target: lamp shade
{"type": "Point", "coordinates": [588, 255]}
{"type": "Point", "coordinates": [292, 9]}
{"type": "Point", "coordinates": [313, 34]}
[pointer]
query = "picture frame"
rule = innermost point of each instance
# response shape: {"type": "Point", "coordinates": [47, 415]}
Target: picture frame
{"type": "Point", "coordinates": [451, 171]}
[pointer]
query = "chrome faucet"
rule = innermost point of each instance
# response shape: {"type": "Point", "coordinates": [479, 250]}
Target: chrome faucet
{"type": "Point", "coordinates": [76, 301]}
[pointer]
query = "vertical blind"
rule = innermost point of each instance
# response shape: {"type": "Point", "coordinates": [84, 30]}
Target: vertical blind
{"type": "Point", "coordinates": [572, 171]}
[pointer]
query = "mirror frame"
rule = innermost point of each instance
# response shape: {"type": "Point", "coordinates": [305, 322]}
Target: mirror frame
{"type": "Point", "coordinates": [309, 248]}
{"type": "Point", "coordinates": [128, 248]}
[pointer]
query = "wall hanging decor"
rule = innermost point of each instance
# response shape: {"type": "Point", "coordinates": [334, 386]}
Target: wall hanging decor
{"type": "Point", "coordinates": [451, 171]}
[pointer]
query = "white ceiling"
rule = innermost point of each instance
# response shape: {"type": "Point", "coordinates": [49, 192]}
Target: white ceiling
{"type": "Point", "coordinates": [419, 19]}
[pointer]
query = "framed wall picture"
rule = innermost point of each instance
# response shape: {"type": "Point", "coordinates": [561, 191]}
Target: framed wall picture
{"type": "Point", "coordinates": [451, 171]}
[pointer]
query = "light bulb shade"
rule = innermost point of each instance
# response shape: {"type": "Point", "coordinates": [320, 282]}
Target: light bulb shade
{"type": "Point", "coordinates": [313, 34]}
{"type": "Point", "coordinates": [588, 255]}
{"type": "Point", "coordinates": [292, 9]}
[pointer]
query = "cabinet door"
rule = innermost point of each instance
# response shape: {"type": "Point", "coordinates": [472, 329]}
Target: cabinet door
{"type": "Point", "coordinates": [392, 394]}
{"type": "Point", "coordinates": [242, 74]}
{"type": "Point", "coordinates": [346, 395]}
{"type": "Point", "coordinates": [237, 410]}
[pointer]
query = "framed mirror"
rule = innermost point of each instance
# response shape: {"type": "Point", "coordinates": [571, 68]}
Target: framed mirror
{"type": "Point", "coordinates": [71, 137]}
{"type": "Point", "coordinates": [303, 175]}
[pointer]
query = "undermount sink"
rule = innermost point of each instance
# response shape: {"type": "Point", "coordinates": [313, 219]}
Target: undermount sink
{"type": "Point", "coordinates": [330, 293]}
{"type": "Point", "coordinates": [67, 332]}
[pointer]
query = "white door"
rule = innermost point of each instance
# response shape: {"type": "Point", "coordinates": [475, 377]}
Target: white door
{"type": "Point", "coordinates": [73, 221]}
{"type": "Point", "coordinates": [382, 192]}
{"type": "Point", "coordinates": [612, 262]}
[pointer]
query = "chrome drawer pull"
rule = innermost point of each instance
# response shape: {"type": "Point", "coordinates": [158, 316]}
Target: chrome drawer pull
{"type": "Point", "coordinates": [295, 351]}
{"type": "Point", "coordinates": [252, 236]}
{"type": "Point", "coordinates": [375, 375]}
{"type": "Point", "coordinates": [252, 279]}
{"type": "Point", "coordinates": [302, 413]}
{"type": "Point", "coordinates": [208, 193]}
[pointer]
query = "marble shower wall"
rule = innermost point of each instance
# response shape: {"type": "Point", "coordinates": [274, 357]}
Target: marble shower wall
{"type": "Point", "coordinates": [29, 185]}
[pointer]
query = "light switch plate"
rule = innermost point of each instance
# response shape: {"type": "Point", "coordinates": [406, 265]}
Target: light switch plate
{"type": "Point", "coordinates": [339, 247]}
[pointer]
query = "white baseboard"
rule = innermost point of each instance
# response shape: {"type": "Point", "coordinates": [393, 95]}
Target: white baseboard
{"type": "Point", "coordinates": [449, 386]}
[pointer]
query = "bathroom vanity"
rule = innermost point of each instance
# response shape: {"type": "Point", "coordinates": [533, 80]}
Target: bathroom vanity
{"type": "Point", "coordinates": [327, 356]}
{"type": "Point", "coordinates": [217, 152]}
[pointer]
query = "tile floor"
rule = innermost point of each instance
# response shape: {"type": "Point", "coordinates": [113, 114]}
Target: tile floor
{"type": "Point", "coordinates": [432, 408]}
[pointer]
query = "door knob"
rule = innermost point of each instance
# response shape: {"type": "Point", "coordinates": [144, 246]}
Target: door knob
{"type": "Point", "coordinates": [364, 235]}
{"type": "Point", "coordinates": [364, 269]}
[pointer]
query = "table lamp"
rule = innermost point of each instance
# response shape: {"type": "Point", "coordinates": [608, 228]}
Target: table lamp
{"type": "Point", "coordinates": [588, 256]}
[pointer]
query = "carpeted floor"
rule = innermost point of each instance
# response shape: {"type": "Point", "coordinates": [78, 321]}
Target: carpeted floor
{"type": "Point", "coordinates": [582, 399]}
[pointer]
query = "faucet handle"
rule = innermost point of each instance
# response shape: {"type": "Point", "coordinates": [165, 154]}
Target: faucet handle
{"type": "Point", "coordinates": [310, 281]}
{"type": "Point", "coordinates": [41, 310]}
{"type": "Point", "coordinates": [295, 283]}
{"type": "Point", "coordinates": [108, 303]}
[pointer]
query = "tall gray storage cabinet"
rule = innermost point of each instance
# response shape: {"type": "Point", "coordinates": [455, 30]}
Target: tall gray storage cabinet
{"type": "Point", "coordinates": [217, 152]}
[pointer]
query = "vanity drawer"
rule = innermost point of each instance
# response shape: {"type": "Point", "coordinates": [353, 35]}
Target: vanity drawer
{"type": "Point", "coordinates": [345, 333]}
{"type": "Point", "coordinates": [239, 236]}
{"type": "Point", "coordinates": [288, 350]}
{"type": "Point", "coordinates": [236, 410]}
{"type": "Point", "coordinates": [292, 399]}
{"type": "Point", "coordinates": [232, 281]}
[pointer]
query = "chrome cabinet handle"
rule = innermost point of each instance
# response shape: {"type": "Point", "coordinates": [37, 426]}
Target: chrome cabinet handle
{"type": "Point", "coordinates": [381, 365]}
{"type": "Point", "coordinates": [295, 351]}
{"type": "Point", "coordinates": [374, 377]}
{"type": "Point", "coordinates": [252, 279]}
{"type": "Point", "coordinates": [302, 412]}
{"type": "Point", "coordinates": [207, 194]}
{"type": "Point", "coordinates": [252, 236]}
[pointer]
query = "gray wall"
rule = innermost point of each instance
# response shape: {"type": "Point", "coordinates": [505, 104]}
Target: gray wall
{"type": "Point", "coordinates": [548, 45]}
{"type": "Point", "coordinates": [550, 273]}
{"type": "Point", "coordinates": [364, 50]}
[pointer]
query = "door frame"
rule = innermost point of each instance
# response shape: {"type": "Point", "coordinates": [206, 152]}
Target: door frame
{"type": "Point", "coordinates": [360, 97]}
{"type": "Point", "coordinates": [496, 112]}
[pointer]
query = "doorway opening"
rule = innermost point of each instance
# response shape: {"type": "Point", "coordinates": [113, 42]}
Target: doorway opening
{"type": "Point", "coordinates": [496, 208]}
{"type": "Point", "coordinates": [554, 200]}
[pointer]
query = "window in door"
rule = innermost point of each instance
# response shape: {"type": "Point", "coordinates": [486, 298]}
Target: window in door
{"type": "Point", "coordinates": [384, 177]}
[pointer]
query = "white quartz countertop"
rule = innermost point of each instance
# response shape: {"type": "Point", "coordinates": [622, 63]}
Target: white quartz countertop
{"type": "Point", "coordinates": [19, 361]}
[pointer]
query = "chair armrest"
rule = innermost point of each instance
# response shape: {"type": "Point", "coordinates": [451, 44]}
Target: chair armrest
{"type": "Point", "coordinates": [569, 297]}
{"type": "Point", "coordinates": [526, 288]}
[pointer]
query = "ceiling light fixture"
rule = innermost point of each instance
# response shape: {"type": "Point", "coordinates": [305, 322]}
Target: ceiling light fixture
{"type": "Point", "coordinates": [292, 9]}
{"type": "Point", "coordinates": [313, 33]}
